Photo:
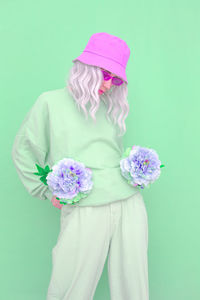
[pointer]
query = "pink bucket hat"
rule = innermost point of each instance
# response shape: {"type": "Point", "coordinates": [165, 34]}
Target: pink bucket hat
{"type": "Point", "coordinates": [106, 51]}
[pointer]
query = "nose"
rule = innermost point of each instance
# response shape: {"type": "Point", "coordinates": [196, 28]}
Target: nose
{"type": "Point", "coordinates": [108, 83]}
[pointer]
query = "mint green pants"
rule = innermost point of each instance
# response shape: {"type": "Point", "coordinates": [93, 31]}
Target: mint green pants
{"type": "Point", "coordinates": [87, 235]}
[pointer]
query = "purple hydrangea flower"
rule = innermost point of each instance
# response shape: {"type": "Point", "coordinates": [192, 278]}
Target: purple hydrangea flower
{"type": "Point", "coordinates": [70, 179]}
{"type": "Point", "coordinates": [141, 167]}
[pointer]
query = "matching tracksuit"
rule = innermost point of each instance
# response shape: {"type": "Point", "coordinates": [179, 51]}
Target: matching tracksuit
{"type": "Point", "coordinates": [111, 221]}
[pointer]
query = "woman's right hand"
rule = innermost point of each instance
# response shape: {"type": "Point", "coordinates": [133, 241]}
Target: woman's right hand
{"type": "Point", "coordinates": [56, 202]}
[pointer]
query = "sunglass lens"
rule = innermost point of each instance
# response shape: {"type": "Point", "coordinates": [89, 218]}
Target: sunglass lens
{"type": "Point", "coordinates": [117, 81]}
{"type": "Point", "coordinates": [106, 76]}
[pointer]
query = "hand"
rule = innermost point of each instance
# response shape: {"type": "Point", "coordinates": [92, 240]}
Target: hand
{"type": "Point", "coordinates": [56, 202]}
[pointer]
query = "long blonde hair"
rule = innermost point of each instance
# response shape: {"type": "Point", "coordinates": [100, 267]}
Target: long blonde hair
{"type": "Point", "coordinates": [83, 83]}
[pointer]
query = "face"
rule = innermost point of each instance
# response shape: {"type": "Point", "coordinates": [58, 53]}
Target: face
{"type": "Point", "coordinates": [106, 84]}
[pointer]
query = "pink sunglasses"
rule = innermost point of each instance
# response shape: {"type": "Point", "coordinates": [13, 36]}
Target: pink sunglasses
{"type": "Point", "coordinates": [115, 80]}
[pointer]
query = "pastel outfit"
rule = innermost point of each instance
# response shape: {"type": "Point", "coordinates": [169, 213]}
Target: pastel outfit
{"type": "Point", "coordinates": [112, 220]}
{"type": "Point", "coordinates": [54, 128]}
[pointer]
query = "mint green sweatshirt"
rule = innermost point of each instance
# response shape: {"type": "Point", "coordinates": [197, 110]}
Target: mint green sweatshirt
{"type": "Point", "coordinates": [54, 129]}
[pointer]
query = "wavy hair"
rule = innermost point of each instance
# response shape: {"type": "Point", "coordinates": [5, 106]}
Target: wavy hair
{"type": "Point", "coordinates": [83, 83]}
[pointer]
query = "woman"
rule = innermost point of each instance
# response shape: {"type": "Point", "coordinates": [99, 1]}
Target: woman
{"type": "Point", "coordinates": [112, 220]}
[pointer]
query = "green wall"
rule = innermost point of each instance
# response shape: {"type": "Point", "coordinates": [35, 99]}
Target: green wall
{"type": "Point", "coordinates": [39, 39]}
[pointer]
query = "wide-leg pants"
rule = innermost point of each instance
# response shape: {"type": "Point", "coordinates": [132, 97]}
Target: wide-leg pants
{"type": "Point", "coordinates": [87, 235]}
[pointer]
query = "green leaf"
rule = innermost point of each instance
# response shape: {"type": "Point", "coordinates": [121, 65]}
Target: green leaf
{"type": "Point", "coordinates": [47, 170]}
{"type": "Point", "coordinates": [37, 174]}
{"type": "Point", "coordinates": [161, 166]}
{"type": "Point", "coordinates": [127, 152]}
{"type": "Point", "coordinates": [43, 179]}
{"type": "Point", "coordinates": [40, 170]}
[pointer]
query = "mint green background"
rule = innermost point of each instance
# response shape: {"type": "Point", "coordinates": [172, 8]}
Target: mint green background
{"type": "Point", "coordinates": [39, 39]}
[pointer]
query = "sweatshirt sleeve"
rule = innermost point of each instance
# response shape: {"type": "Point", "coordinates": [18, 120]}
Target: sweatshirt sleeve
{"type": "Point", "coordinates": [30, 147]}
